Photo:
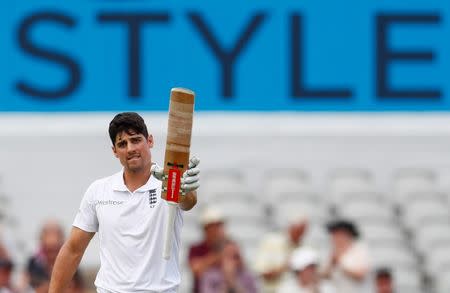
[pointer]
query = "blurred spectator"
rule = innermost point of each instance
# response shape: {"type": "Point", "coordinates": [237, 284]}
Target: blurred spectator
{"type": "Point", "coordinates": [6, 268]}
{"type": "Point", "coordinates": [51, 240]}
{"type": "Point", "coordinates": [275, 249]}
{"type": "Point", "coordinates": [383, 281]}
{"type": "Point", "coordinates": [3, 252]}
{"type": "Point", "coordinates": [348, 265]}
{"type": "Point", "coordinates": [207, 254]}
{"type": "Point", "coordinates": [230, 276]}
{"type": "Point", "coordinates": [40, 265]}
{"type": "Point", "coordinates": [304, 264]}
{"type": "Point", "coordinates": [39, 282]}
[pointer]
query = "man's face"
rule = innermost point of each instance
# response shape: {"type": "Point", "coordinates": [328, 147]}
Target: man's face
{"type": "Point", "coordinates": [384, 285]}
{"type": "Point", "coordinates": [133, 150]}
{"type": "Point", "coordinates": [51, 241]}
{"type": "Point", "coordinates": [341, 239]}
{"type": "Point", "coordinates": [215, 233]}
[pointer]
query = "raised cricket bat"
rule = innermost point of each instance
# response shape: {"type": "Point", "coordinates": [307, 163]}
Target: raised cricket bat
{"type": "Point", "coordinates": [181, 110]}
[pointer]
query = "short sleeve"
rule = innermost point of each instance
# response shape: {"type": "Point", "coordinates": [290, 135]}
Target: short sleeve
{"type": "Point", "coordinates": [86, 218]}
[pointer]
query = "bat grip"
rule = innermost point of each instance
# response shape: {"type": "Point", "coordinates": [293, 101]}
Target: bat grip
{"type": "Point", "coordinates": [168, 237]}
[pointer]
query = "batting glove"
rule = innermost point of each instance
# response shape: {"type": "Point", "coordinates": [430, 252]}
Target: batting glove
{"type": "Point", "coordinates": [190, 178]}
{"type": "Point", "coordinates": [157, 172]}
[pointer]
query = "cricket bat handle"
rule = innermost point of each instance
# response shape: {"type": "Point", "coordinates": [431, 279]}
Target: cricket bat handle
{"type": "Point", "coordinates": [168, 238]}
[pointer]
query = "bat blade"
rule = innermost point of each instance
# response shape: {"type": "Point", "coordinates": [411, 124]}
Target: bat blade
{"type": "Point", "coordinates": [181, 110]}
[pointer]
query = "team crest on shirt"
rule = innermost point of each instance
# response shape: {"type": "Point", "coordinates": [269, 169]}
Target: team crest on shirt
{"type": "Point", "coordinates": [152, 197]}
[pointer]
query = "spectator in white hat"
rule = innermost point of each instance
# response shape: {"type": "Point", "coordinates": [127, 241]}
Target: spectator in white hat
{"type": "Point", "coordinates": [275, 249]}
{"type": "Point", "coordinates": [304, 265]}
{"type": "Point", "coordinates": [207, 253]}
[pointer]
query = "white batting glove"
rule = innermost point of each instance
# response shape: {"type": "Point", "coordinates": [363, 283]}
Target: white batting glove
{"type": "Point", "coordinates": [189, 180]}
{"type": "Point", "coordinates": [191, 177]}
{"type": "Point", "coordinates": [157, 172]}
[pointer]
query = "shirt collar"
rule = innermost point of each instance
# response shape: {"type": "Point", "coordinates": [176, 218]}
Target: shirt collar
{"type": "Point", "coordinates": [118, 183]}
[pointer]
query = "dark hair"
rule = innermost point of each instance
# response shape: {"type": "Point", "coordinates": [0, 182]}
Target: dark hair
{"type": "Point", "coordinates": [128, 122]}
{"type": "Point", "coordinates": [38, 276]}
{"type": "Point", "coordinates": [6, 263]}
{"type": "Point", "coordinates": [343, 225]}
{"type": "Point", "coordinates": [383, 273]}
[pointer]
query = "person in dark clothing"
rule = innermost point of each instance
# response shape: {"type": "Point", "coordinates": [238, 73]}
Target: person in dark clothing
{"type": "Point", "coordinates": [207, 253]}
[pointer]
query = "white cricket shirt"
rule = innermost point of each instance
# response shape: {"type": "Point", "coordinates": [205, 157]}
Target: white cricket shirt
{"type": "Point", "coordinates": [130, 227]}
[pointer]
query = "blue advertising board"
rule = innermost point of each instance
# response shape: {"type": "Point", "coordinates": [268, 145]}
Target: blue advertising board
{"type": "Point", "coordinates": [237, 55]}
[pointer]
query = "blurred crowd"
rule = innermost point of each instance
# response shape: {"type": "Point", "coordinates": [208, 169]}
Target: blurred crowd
{"type": "Point", "coordinates": [282, 264]}
{"type": "Point", "coordinates": [35, 277]}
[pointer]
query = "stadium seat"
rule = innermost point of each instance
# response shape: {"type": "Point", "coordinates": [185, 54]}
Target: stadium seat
{"type": "Point", "coordinates": [437, 260]}
{"type": "Point", "coordinates": [429, 237]}
{"type": "Point", "coordinates": [316, 213]}
{"type": "Point", "coordinates": [442, 281]}
{"type": "Point", "coordinates": [403, 176]}
{"type": "Point", "coordinates": [409, 289]}
{"type": "Point", "coordinates": [223, 179]}
{"type": "Point", "coordinates": [397, 258]}
{"type": "Point", "coordinates": [367, 212]}
{"type": "Point", "coordinates": [218, 197]}
{"type": "Point", "coordinates": [247, 234]}
{"type": "Point", "coordinates": [411, 196]}
{"type": "Point", "coordinates": [356, 196]}
{"type": "Point", "coordinates": [296, 196]}
{"type": "Point", "coordinates": [381, 235]}
{"type": "Point", "coordinates": [239, 210]}
{"type": "Point", "coordinates": [350, 180]}
{"type": "Point", "coordinates": [422, 212]}
{"type": "Point", "coordinates": [407, 280]}
{"type": "Point", "coordinates": [443, 286]}
{"type": "Point", "coordinates": [411, 180]}
{"type": "Point", "coordinates": [285, 181]}
{"type": "Point", "coordinates": [287, 175]}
